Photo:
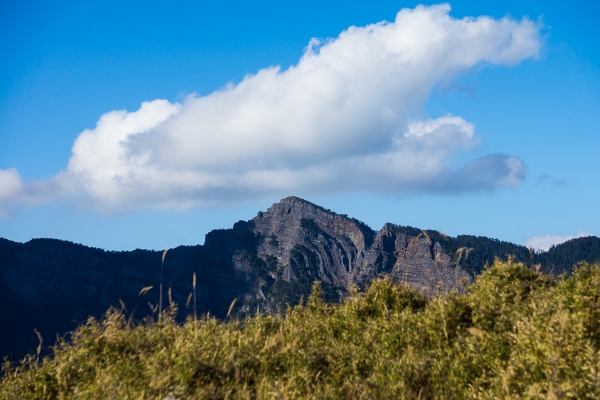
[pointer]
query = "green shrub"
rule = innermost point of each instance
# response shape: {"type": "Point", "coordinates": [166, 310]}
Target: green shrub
{"type": "Point", "coordinates": [515, 333]}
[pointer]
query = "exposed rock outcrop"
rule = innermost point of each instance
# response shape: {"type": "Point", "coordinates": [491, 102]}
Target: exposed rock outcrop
{"type": "Point", "coordinates": [309, 241]}
{"type": "Point", "coordinates": [265, 263]}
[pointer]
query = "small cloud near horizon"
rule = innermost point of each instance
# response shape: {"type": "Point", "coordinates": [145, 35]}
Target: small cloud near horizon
{"type": "Point", "coordinates": [544, 243]}
{"type": "Point", "coordinates": [341, 120]}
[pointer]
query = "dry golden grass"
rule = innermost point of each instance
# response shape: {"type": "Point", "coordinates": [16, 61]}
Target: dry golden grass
{"type": "Point", "coordinates": [516, 333]}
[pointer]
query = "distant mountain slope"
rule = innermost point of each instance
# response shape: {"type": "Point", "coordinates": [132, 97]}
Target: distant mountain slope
{"type": "Point", "coordinates": [560, 259]}
{"type": "Point", "coordinates": [265, 263]}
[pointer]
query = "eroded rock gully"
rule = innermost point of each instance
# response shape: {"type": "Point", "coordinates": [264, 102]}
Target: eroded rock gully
{"type": "Point", "coordinates": [306, 242]}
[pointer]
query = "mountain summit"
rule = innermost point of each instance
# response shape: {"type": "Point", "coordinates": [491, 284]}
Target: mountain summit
{"type": "Point", "coordinates": [301, 242]}
{"type": "Point", "coordinates": [265, 264]}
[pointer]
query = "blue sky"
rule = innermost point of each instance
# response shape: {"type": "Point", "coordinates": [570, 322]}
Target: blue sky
{"type": "Point", "coordinates": [67, 64]}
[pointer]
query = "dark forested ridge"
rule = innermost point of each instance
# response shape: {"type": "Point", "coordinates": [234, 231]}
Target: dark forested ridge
{"type": "Point", "coordinates": [53, 285]}
{"type": "Point", "coordinates": [517, 333]}
{"type": "Point", "coordinates": [560, 259]}
{"type": "Point", "coordinates": [264, 264]}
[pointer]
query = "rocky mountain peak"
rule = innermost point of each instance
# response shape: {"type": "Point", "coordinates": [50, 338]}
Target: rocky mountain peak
{"type": "Point", "coordinates": [302, 242]}
{"type": "Point", "coordinates": [294, 221]}
{"type": "Point", "coordinates": [265, 263]}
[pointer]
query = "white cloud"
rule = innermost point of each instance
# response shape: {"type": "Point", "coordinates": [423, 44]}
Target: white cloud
{"type": "Point", "coordinates": [545, 242]}
{"type": "Point", "coordinates": [14, 192]}
{"type": "Point", "coordinates": [339, 120]}
{"type": "Point", "coordinates": [10, 189]}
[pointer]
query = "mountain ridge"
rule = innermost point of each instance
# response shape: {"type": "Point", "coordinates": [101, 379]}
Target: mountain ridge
{"type": "Point", "coordinates": [265, 263]}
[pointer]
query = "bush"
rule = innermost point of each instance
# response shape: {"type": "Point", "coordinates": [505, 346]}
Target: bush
{"type": "Point", "coordinates": [515, 333]}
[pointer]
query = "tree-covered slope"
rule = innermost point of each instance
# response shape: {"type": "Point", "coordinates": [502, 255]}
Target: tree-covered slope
{"type": "Point", "coordinates": [515, 333]}
{"type": "Point", "coordinates": [265, 264]}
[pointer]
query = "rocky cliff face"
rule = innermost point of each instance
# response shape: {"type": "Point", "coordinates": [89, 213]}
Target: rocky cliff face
{"type": "Point", "coordinates": [299, 242]}
{"type": "Point", "coordinates": [265, 263]}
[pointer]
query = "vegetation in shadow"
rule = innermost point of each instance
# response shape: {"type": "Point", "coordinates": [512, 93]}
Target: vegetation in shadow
{"type": "Point", "coordinates": [516, 332]}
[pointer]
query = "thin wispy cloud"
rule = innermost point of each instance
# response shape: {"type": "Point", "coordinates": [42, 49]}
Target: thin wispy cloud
{"type": "Point", "coordinates": [340, 120]}
{"type": "Point", "coordinates": [546, 179]}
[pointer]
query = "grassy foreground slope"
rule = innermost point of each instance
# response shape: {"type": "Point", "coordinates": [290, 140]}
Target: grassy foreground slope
{"type": "Point", "coordinates": [515, 333]}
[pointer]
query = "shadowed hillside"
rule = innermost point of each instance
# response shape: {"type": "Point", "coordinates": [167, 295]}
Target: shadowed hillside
{"type": "Point", "coordinates": [264, 264]}
{"type": "Point", "coordinates": [515, 333]}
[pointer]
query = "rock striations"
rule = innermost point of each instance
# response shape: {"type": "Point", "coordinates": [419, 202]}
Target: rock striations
{"type": "Point", "coordinates": [265, 263]}
{"type": "Point", "coordinates": [304, 242]}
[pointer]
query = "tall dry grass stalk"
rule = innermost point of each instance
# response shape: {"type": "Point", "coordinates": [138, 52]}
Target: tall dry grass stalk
{"type": "Point", "coordinates": [515, 333]}
{"type": "Point", "coordinates": [162, 263]}
{"type": "Point", "coordinates": [194, 288]}
{"type": "Point", "coordinates": [425, 235]}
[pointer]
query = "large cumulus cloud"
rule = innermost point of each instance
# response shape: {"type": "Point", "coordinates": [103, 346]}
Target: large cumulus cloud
{"type": "Point", "coordinates": [341, 119]}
